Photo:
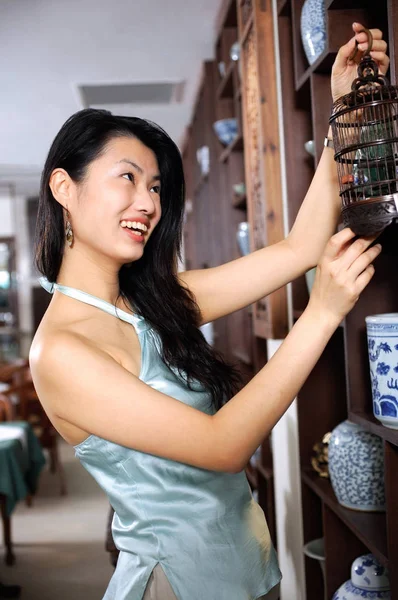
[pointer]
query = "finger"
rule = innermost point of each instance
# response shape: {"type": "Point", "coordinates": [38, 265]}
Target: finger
{"type": "Point", "coordinates": [354, 251]}
{"type": "Point", "coordinates": [362, 263]}
{"type": "Point", "coordinates": [364, 279]}
{"type": "Point", "coordinates": [337, 243]}
{"type": "Point", "coordinates": [343, 54]}
{"type": "Point", "coordinates": [358, 28]}
{"type": "Point", "coordinates": [382, 59]}
{"type": "Point", "coordinates": [377, 46]}
{"type": "Point", "coordinates": [377, 34]}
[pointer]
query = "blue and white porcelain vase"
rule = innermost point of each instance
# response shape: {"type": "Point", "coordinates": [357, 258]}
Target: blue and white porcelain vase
{"type": "Point", "coordinates": [356, 467]}
{"type": "Point", "coordinates": [243, 238]}
{"type": "Point", "coordinates": [313, 28]}
{"type": "Point", "coordinates": [383, 359]}
{"type": "Point", "coordinates": [369, 580]}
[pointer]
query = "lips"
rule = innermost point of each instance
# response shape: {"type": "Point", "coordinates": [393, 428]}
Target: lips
{"type": "Point", "coordinates": [134, 235]}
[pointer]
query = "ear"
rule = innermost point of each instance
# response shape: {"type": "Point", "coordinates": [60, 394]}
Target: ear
{"type": "Point", "coordinates": [62, 187]}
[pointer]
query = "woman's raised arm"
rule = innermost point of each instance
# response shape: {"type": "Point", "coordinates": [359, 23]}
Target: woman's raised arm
{"type": "Point", "coordinates": [84, 386]}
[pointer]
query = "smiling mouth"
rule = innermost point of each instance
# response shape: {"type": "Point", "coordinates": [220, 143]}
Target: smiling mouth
{"type": "Point", "coordinates": [135, 226]}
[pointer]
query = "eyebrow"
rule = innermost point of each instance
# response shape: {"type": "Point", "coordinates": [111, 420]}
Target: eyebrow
{"type": "Point", "coordinates": [138, 168]}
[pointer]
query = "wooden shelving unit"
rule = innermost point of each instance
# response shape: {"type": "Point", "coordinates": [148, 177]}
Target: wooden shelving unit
{"type": "Point", "coordinates": [339, 386]}
{"type": "Point", "coordinates": [215, 211]}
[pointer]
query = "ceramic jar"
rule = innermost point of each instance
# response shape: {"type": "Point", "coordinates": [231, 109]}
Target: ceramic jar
{"type": "Point", "coordinates": [226, 130]}
{"type": "Point", "coordinates": [242, 237]}
{"type": "Point", "coordinates": [356, 467]}
{"type": "Point", "coordinates": [203, 158]}
{"type": "Point", "coordinates": [313, 28]}
{"type": "Point", "coordinates": [369, 580]}
{"type": "Point", "coordinates": [383, 360]}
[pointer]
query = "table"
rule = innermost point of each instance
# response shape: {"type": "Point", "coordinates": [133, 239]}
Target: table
{"type": "Point", "coordinates": [21, 461]}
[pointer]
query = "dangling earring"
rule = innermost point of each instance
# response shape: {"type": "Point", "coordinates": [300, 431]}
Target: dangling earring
{"type": "Point", "coordinates": [68, 230]}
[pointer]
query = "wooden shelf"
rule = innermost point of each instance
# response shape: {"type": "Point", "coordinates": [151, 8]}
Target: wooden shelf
{"type": "Point", "coordinates": [343, 4]}
{"type": "Point", "coordinates": [226, 86]}
{"type": "Point", "coordinates": [369, 527]}
{"type": "Point", "coordinates": [246, 30]}
{"type": "Point", "coordinates": [266, 472]}
{"type": "Point", "coordinates": [282, 6]}
{"type": "Point", "coordinates": [370, 423]}
{"type": "Point", "coordinates": [239, 201]}
{"type": "Point", "coordinates": [339, 386]}
{"type": "Point", "coordinates": [323, 64]}
{"type": "Point", "coordinates": [235, 146]}
{"type": "Point", "coordinates": [251, 476]}
{"type": "Point", "coordinates": [202, 180]}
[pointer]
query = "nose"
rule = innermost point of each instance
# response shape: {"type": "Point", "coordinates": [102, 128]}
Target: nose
{"type": "Point", "coordinates": [144, 201]}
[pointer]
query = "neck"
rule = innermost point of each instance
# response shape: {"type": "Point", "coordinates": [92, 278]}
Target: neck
{"type": "Point", "coordinates": [90, 272]}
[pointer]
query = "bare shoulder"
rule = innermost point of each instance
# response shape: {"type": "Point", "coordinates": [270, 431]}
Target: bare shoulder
{"type": "Point", "coordinates": [54, 349]}
{"type": "Point", "coordinates": [61, 347]}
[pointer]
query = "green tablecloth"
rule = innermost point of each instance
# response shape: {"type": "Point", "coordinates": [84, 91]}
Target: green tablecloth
{"type": "Point", "coordinates": [20, 465]}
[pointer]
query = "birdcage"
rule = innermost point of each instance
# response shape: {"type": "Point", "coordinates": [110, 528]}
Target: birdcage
{"type": "Point", "coordinates": [365, 136]}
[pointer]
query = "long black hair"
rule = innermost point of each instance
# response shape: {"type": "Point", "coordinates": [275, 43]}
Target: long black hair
{"type": "Point", "coordinates": [150, 284]}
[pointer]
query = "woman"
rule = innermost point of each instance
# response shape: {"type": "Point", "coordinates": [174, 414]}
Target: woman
{"type": "Point", "coordinates": [145, 405]}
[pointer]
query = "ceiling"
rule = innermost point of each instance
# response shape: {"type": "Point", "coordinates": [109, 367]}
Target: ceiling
{"type": "Point", "coordinates": [50, 47]}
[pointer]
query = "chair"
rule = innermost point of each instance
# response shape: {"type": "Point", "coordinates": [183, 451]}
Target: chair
{"type": "Point", "coordinates": [6, 414]}
{"type": "Point", "coordinates": [31, 410]}
{"type": "Point", "coordinates": [6, 408]}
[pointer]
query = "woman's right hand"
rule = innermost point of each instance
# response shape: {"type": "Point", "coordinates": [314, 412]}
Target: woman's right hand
{"type": "Point", "coordinates": [343, 272]}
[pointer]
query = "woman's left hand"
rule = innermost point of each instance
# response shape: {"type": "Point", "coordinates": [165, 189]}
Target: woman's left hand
{"type": "Point", "coordinates": [344, 71]}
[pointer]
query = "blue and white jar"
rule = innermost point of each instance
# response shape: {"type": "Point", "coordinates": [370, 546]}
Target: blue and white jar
{"type": "Point", "coordinates": [243, 238]}
{"type": "Point", "coordinates": [383, 360]}
{"type": "Point", "coordinates": [313, 28]}
{"type": "Point", "coordinates": [356, 467]}
{"type": "Point", "coordinates": [369, 580]}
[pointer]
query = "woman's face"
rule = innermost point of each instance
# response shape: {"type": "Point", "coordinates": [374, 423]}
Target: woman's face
{"type": "Point", "coordinates": [118, 203]}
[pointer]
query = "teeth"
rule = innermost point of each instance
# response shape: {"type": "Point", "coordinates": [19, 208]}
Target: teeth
{"type": "Point", "coordinates": [134, 225]}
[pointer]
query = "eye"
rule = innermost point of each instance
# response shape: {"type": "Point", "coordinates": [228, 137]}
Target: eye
{"type": "Point", "coordinates": [156, 189]}
{"type": "Point", "coordinates": [130, 177]}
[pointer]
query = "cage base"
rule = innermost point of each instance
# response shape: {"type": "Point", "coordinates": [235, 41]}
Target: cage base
{"type": "Point", "coordinates": [372, 215]}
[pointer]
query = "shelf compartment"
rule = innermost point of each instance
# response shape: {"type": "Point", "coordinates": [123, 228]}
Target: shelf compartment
{"type": "Point", "coordinates": [226, 87]}
{"type": "Point", "coordinates": [235, 146]}
{"type": "Point", "coordinates": [341, 4]}
{"type": "Point", "coordinates": [282, 6]}
{"type": "Point", "coordinates": [369, 527]}
{"type": "Point", "coordinates": [321, 402]}
{"type": "Point", "coordinates": [338, 31]}
{"type": "Point", "coordinates": [200, 183]}
{"type": "Point", "coordinates": [323, 64]}
{"type": "Point", "coordinates": [246, 30]}
{"type": "Point", "coordinates": [369, 422]}
{"type": "Point", "coordinates": [239, 201]}
{"type": "Point", "coordinates": [339, 553]}
{"type": "Point", "coordinates": [266, 473]}
{"type": "Point", "coordinates": [391, 467]}
{"type": "Point", "coordinates": [251, 474]}
{"type": "Point", "coordinates": [245, 11]}
{"type": "Point", "coordinates": [379, 297]}
{"type": "Point", "coordinates": [313, 529]}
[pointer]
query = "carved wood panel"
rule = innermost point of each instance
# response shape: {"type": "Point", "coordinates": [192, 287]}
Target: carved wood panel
{"type": "Point", "coordinates": [254, 174]}
{"type": "Point", "coordinates": [262, 158]}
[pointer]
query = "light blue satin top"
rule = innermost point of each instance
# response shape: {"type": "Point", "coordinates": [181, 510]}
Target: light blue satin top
{"type": "Point", "coordinates": [204, 527]}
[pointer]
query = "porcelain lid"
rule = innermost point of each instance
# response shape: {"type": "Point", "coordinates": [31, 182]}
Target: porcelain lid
{"type": "Point", "coordinates": [368, 574]}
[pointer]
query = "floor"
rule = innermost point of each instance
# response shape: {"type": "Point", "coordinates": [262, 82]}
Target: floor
{"type": "Point", "coordinates": [59, 541]}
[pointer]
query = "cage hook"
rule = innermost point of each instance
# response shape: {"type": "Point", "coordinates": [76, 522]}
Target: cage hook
{"type": "Point", "coordinates": [368, 49]}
